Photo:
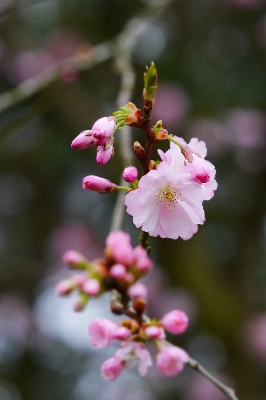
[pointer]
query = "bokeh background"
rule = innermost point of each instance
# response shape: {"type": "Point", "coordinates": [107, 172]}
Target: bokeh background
{"type": "Point", "coordinates": [211, 57]}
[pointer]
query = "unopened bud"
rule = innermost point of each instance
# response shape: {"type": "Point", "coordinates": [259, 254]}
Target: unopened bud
{"type": "Point", "coordinates": [139, 151]}
{"type": "Point", "coordinates": [105, 152]}
{"type": "Point", "coordinates": [118, 271]}
{"type": "Point", "coordinates": [150, 83]}
{"type": "Point", "coordinates": [92, 287]}
{"type": "Point", "coordinates": [157, 132]}
{"type": "Point", "coordinates": [65, 287]}
{"type": "Point", "coordinates": [80, 304]}
{"type": "Point", "coordinates": [187, 152]}
{"type": "Point", "coordinates": [139, 305]}
{"type": "Point", "coordinates": [155, 332]}
{"type": "Point", "coordinates": [97, 184]}
{"type": "Point", "coordinates": [137, 290]}
{"type": "Point", "coordinates": [132, 325]}
{"type": "Point", "coordinates": [74, 259]}
{"type": "Point", "coordinates": [102, 130]}
{"type": "Point", "coordinates": [83, 140]}
{"type": "Point", "coordinates": [130, 174]}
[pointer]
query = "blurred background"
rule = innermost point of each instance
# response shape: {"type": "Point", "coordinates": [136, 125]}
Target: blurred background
{"type": "Point", "coordinates": [211, 58]}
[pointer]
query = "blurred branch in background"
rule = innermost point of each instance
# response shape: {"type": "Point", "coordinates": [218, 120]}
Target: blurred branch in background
{"type": "Point", "coordinates": [85, 58]}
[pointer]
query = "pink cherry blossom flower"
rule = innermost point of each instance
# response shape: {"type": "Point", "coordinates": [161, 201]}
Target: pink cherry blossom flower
{"type": "Point", "coordinates": [133, 353]}
{"type": "Point", "coordinates": [167, 203]}
{"type": "Point", "coordinates": [176, 321]}
{"type": "Point", "coordinates": [118, 243]}
{"type": "Point", "coordinates": [170, 360]}
{"type": "Point", "coordinates": [102, 130]}
{"type": "Point", "coordinates": [112, 368]}
{"type": "Point", "coordinates": [97, 184]}
{"type": "Point", "coordinates": [103, 332]}
{"type": "Point", "coordinates": [130, 174]}
{"type": "Point", "coordinates": [83, 140]}
{"type": "Point", "coordinates": [137, 290]}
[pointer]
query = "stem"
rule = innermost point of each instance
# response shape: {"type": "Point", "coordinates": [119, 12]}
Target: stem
{"type": "Point", "coordinates": [123, 188]}
{"type": "Point", "coordinates": [174, 141]}
{"type": "Point", "coordinates": [146, 129]}
{"type": "Point", "coordinates": [201, 370]}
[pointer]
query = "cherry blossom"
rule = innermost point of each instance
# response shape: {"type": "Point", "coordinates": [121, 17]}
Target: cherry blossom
{"type": "Point", "coordinates": [175, 321]}
{"type": "Point", "coordinates": [103, 332]}
{"type": "Point", "coordinates": [170, 360]}
{"type": "Point", "coordinates": [167, 203]}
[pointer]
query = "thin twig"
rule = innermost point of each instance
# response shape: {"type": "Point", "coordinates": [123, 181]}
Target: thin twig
{"type": "Point", "coordinates": [122, 43]}
{"type": "Point", "coordinates": [31, 86]}
{"type": "Point", "coordinates": [201, 370]}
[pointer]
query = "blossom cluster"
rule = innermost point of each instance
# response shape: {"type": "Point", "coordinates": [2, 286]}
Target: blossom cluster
{"type": "Point", "coordinates": [121, 269]}
{"type": "Point", "coordinates": [170, 359]}
{"type": "Point", "coordinates": [167, 201]}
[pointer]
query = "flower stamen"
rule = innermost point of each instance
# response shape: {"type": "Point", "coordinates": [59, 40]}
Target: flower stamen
{"type": "Point", "coordinates": [168, 197]}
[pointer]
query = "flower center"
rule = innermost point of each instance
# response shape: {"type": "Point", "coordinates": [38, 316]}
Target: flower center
{"type": "Point", "coordinates": [168, 197]}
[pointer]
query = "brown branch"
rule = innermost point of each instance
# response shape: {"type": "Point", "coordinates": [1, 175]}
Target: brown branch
{"type": "Point", "coordinates": [201, 370]}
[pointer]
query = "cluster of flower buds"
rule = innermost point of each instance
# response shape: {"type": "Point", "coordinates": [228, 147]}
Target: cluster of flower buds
{"type": "Point", "coordinates": [122, 267]}
{"type": "Point", "coordinates": [101, 135]}
{"type": "Point", "coordinates": [102, 132]}
{"type": "Point", "coordinates": [134, 335]}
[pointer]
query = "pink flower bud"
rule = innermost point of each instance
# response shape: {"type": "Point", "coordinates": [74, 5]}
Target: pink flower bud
{"type": "Point", "coordinates": [129, 278]}
{"type": "Point", "coordinates": [118, 271]}
{"type": "Point", "coordinates": [104, 154]}
{"type": "Point", "coordinates": [155, 332]}
{"type": "Point", "coordinates": [97, 184]}
{"type": "Point", "coordinates": [199, 169]}
{"type": "Point", "coordinates": [102, 332]}
{"type": "Point", "coordinates": [91, 287]}
{"type": "Point", "coordinates": [170, 360]}
{"type": "Point", "coordinates": [112, 368]}
{"type": "Point", "coordinates": [102, 130]}
{"type": "Point", "coordinates": [118, 243]}
{"type": "Point", "coordinates": [64, 287]}
{"type": "Point", "coordinates": [79, 279]}
{"type": "Point", "coordinates": [130, 174]}
{"type": "Point", "coordinates": [83, 140]}
{"type": "Point", "coordinates": [142, 260]}
{"type": "Point", "coordinates": [122, 333]}
{"type": "Point", "coordinates": [74, 259]}
{"type": "Point", "coordinates": [137, 290]}
{"type": "Point", "coordinates": [175, 321]}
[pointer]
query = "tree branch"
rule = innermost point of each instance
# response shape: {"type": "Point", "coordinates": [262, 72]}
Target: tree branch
{"type": "Point", "coordinates": [201, 370]}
